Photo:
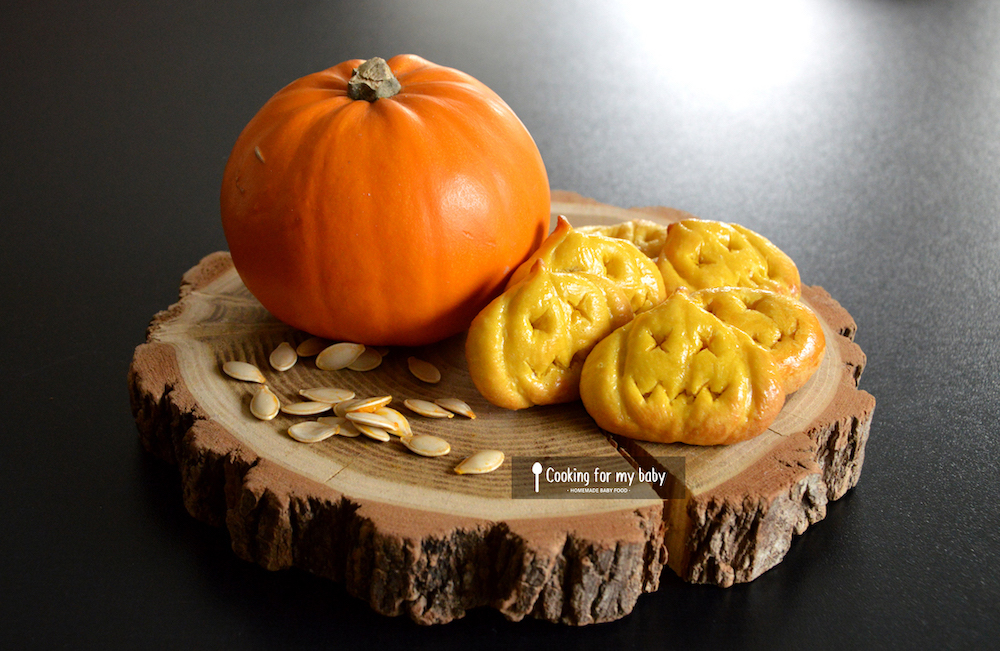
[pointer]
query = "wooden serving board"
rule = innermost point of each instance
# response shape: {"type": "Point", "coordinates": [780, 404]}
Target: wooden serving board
{"type": "Point", "coordinates": [409, 536]}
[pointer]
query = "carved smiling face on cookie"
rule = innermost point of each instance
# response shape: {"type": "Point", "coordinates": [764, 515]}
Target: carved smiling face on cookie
{"type": "Point", "coordinates": [701, 254]}
{"type": "Point", "coordinates": [677, 373]}
{"type": "Point", "coordinates": [527, 347]}
{"type": "Point", "coordinates": [782, 325]}
{"type": "Point", "coordinates": [569, 250]}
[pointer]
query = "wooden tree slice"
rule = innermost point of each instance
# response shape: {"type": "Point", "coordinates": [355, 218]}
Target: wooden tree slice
{"type": "Point", "coordinates": [410, 536]}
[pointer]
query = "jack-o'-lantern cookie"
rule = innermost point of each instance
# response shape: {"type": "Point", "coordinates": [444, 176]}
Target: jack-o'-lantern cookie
{"type": "Point", "coordinates": [701, 254]}
{"type": "Point", "coordinates": [784, 326]}
{"type": "Point", "coordinates": [678, 374]}
{"type": "Point", "coordinates": [569, 250]}
{"type": "Point", "coordinates": [648, 236]}
{"type": "Point", "coordinates": [527, 347]}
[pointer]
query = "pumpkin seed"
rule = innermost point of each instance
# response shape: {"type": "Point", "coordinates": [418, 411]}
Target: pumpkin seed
{"type": "Point", "coordinates": [427, 445]}
{"type": "Point", "coordinates": [427, 408]}
{"type": "Point", "coordinates": [309, 408]}
{"type": "Point", "coordinates": [311, 347]}
{"type": "Point", "coordinates": [371, 404]}
{"type": "Point", "coordinates": [376, 433]}
{"type": "Point", "coordinates": [382, 350]}
{"type": "Point", "coordinates": [371, 419]}
{"type": "Point", "coordinates": [329, 395]}
{"type": "Point", "coordinates": [402, 426]}
{"type": "Point", "coordinates": [481, 462]}
{"type": "Point", "coordinates": [264, 404]}
{"type": "Point", "coordinates": [283, 357]}
{"type": "Point", "coordinates": [243, 371]}
{"type": "Point", "coordinates": [361, 404]}
{"type": "Point", "coordinates": [312, 431]}
{"type": "Point", "coordinates": [368, 360]}
{"type": "Point", "coordinates": [339, 356]}
{"type": "Point", "coordinates": [457, 406]}
{"type": "Point", "coordinates": [347, 430]}
{"type": "Point", "coordinates": [257, 152]}
{"type": "Point", "coordinates": [341, 408]}
{"type": "Point", "coordinates": [424, 371]}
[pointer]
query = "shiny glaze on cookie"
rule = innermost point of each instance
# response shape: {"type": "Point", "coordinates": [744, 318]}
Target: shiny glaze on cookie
{"type": "Point", "coordinates": [677, 373]}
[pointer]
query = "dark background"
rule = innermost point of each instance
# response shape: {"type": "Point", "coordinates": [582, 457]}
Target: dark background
{"type": "Point", "coordinates": [861, 136]}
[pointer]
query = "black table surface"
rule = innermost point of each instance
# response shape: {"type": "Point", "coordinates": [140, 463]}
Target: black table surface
{"type": "Point", "coordinates": [861, 136]}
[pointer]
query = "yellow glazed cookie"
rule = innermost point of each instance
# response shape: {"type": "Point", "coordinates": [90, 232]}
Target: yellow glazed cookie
{"type": "Point", "coordinates": [527, 347]}
{"type": "Point", "coordinates": [678, 374]}
{"type": "Point", "coordinates": [569, 250]}
{"type": "Point", "coordinates": [784, 326]}
{"type": "Point", "coordinates": [648, 236]}
{"type": "Point", "coordinates": [701, 254]}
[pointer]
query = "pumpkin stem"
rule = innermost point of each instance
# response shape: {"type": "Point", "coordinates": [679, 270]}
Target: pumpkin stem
{"type": "Point", "coordinates": [372, 80]}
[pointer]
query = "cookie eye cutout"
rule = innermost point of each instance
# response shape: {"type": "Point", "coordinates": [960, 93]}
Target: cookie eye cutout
{"type": "Point", "coordinates": [528, 346]}
{"type": "Point", "coordinates": [783, 326]}
{"type": "Point", "coordinates": [569, 250]}
{"type": "Point", "coordinates": [678, 374]}
{"type": "Point", "coordinates": [647, 236]}
{"type": "Point", "coordinates": [702, 254]}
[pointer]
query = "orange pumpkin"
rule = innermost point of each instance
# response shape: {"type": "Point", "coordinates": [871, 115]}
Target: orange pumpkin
{"type": "Point", "coordinates": [384, 204]}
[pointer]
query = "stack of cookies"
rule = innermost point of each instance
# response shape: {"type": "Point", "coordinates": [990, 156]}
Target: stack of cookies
{"type": "Point", "coordinates": [692, 332]}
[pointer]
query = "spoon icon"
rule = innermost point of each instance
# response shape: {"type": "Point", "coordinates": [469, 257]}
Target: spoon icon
{"type": "Point", "coordinates": [537, 469]}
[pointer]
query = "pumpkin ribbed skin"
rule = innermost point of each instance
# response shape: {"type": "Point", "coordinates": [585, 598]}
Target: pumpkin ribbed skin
{"type": "Point", "coordinates": [390, 222]}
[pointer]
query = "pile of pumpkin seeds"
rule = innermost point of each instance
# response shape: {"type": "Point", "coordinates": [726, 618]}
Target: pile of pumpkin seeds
{"type": "Point", "coordinates": [353, 416]}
